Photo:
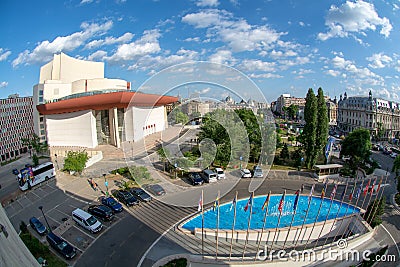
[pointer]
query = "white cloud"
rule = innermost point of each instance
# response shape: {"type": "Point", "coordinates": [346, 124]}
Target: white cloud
{"type": "Point", "coordinates": [156, 63]}
{"type": "Point", "coordinates": [44, 51]}
{"type": "Point", "coordinates": [147, 44]}
{"type": "Point", "coordinates": [3, 84]}
{"type": "Point", "coordinates": [378, 60]}
{"type": "Point", "coordinates": [236, 33]}
{"type": "Point", "coordinates": [265, 75]}
{"type": "Point", "coordinates": [302, 24]}
{"type": "Point", "coordinates": [257, 65]}
{"type": "Point", "coordinates": [4, 54]}
{"type": "Point", "coordinates": [126, 37]}
{"type": "Point", "coordinates": [222, 57]}
{"type": "Point", "coordinates": [334, 73]}
{"type": "Point", "coordinates": [192, 39]}
{"type": "Point", "coordinates": [204, 3]}
{"type": "Point", "coordinates": [354, 18]}
{"type": "Point", "coordinates": [86, 2]}
{"type": "Point", "coordinates": [98, 55]}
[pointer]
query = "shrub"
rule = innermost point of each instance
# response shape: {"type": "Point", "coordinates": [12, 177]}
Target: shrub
{"type": "Point", "coordinates": [23, 227]}
{"type": "Point", "coordinates": [75, 161]}
{"type": "Point", "coordinates": [177, 263]}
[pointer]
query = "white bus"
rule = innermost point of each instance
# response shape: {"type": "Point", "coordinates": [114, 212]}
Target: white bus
{"type": "Point", "coordinates": [32, 176]}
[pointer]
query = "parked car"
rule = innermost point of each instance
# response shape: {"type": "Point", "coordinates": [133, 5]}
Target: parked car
{"type": "Point", "coordinates": [220, 173]}
{"type": "Point", "coordinates": [112, 203]}
{"type": "Point", "coordinates": [15, 171]}
{"type": "Point", "coordinates": [154, 189]}
{"type": "Point", "coordinates": [86, 220]}
{"type": "Point", "coordinates": [102, 212]}
{"type": "Point", "coordinates": [393, 155]}
{"type": "Point", "coordinates": [61, 246]}
{"type": "Point", "coordinates": [386, 152]}
{"type": "Point", "coordinates": [209, 176]}
{"type": "Point", "coordinates": [257, 172]}
{"type": "Point", "coordinates": [37, 226]}
{"type": "Point", "coordinates": [126, 198]}
{"type": "Point", "coordinates": [195, 178]}
{"type": "Point", "coordinates": [140, 194]}
{"type": "Point", "coordinates": [245, 173]}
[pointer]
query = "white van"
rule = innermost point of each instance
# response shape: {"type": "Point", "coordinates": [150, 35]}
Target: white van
{"type": "Point", "coordinates": [209, 176]}
{"type": "Point", "coordinates": [86, 220]}
{"type": "Point", "coordinates": [220, 173]}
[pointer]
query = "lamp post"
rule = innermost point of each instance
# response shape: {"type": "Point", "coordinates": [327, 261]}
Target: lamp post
{"type": "Point", "coordinates": [56, 162]}
{"type": "Point", "coordinates": [48, 225]}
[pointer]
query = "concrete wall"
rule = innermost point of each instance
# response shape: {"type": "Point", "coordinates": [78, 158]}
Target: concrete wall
{"type": "Point", "coordinates": [98, 85]}
{"type": "Point", "coordinates": [13, 251]}
{"type": "Point", "coordinates": [137, 119]}
{"type": "Point", "coordinates": [72, 129]}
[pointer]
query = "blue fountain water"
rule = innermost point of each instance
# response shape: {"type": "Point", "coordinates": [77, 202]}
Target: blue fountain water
{"type": "Point", "coordinates": [226, 213]}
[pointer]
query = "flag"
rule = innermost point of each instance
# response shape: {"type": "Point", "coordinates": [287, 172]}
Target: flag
{"type": "Point", "coordinates": [281, 203]}
{"type": "Point", "coordinates": [352, 192]}
{"type": "Point", "coordinates": [373, 185]}
{"type": "Point", "coordinates": [302, 188]}
{"type": "Point", "coordinates": [233, 202]}
{"type": "Point", "coordinates": [296, 200]}
{"type": "Point", "coordinates": [200, 208]}
{"type": "Point", "coordinates": [311, 192]}
{"type": "Point", "coordinates": [358, 192]}
{"type": "Point", "coordinates": [215, 203]}
{"type": "Point", "coordinates": [343, 193]}
{"type": "Point", "coordinates": [366, 187]}
{"type": "Point", "coordinates": [379, 185]}
{"type": "Point", "coordinates": [333, 192]}
{"type": "Point", "coordinates": [249, 202]}
{"type": "Point", "coordinates": [266, 202]}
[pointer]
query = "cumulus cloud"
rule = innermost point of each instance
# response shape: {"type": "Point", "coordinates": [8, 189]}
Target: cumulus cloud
{"type": "Point", "coordinates": [3, 84]}
{"type": "Point", "coordinates": [222, 57]}
{"type": "Point", "coordinates": [44, 51]}
{"type": "Point", "coordinates": [334, 73]}
{"type": "Point", "coordinates": [236, 33]}
{"type": "Point", "coordinates": [147, 44]}
{"type": "Point", "coordinates": [4, 54]}
{"type": "Point", "coordinates": [379, 60]}
{"type": "Point", "coordinates": [125, 38]}
{"type": "Point", "coordinates": [156, 63]}
{"type": "Point", "coordinates": [257, 65]}
{"type": "Point", "coordinates": [98, 55]}
{"type": "Point", "coordinates": [204, 3]}
{"type": "Point", "coordinates": [354, 18]}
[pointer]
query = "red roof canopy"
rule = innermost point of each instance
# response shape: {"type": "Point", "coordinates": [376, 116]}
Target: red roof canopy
{"type": "Point", "coordinates": [105, 101]}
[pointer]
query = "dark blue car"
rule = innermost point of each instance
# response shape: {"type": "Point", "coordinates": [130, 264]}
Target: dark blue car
{"type": "Point", "coordinates": [62, 246]}
{"type": "Point", "coordinates": [112, 203]}
{"type": "Point", "coordinates": [37, 225]}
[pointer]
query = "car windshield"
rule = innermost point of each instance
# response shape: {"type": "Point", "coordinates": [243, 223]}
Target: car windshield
{"type": "Point", "coordinates": [246, 171]}
{"type": "Point", "coordinates": [127, 195]}
{"type": "Point", "coordinates": [92, 220]}
{"type": "Point", "coordinates": [112, 202]}
{"type": "Point", "coordinates": [220, 172]}
{"type": "Point", "coordinates": [62, 245]}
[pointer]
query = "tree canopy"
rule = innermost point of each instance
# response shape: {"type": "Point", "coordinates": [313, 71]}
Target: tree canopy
{"type": "Point", "coordinates": [357, 145]}
{"type": "Point", "coordinates": [308, 136]}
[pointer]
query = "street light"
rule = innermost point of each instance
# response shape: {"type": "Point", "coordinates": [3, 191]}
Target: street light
{"type": "Point", "coordinates": [48, 225]}
{"type": "Point", "coordinates": [56, 161]}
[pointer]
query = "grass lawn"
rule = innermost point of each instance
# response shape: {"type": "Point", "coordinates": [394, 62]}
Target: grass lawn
{"type": "Point", "coordinates": [40, 250]}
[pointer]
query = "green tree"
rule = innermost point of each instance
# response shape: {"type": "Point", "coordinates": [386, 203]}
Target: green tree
{"type": "Point", "coordinates": [139, 174]}
{"type": "Point", "coordinates": [292, 111]}
{"type": "Point", "coordinates": [322, 128]}
{"type": "Point", "coordinates": [75, 161]}
{"type": "Point", "coordinates": [396, 165]}
{"type": "Point", "coordinates": [37, 147]}
{"type": "Point", "coordinates": [163, 154]}
{"type": "Point", "coordinates": [285, 152]}
{"type": "Point", "coordinates": [381, 130]}
{"type": "Point", "coordinates": [308, 136]}
{"type": "Point", "coordinates": [357, 145]}
{"type": "Point", "coordinates": [375, 210]}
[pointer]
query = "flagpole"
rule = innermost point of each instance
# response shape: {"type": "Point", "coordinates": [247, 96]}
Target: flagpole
{"type": "Point", "coordinates": [370, 197]}
{"type": "Point", "coordinates": [202, 223]}
{"type": "Point", "coordinates": [294, 213]}
{"type": "Point", "coordinates": [216, 241]}
{"type": "Point", "coordinates": [377, 192]}
{"type": "Point", "coordinates": [376, 208]}
{"type": "Point", "coordinates": [337, 213]}
{"type": "Point", "coordinates": [305, 217]}
{"type": "Point", "coordinates": [279, 218]}
{"type": "Point", "coordinates": [365, 192]}
{"type": "Point", "coordinates": [347, 208]}
{"type": "Point", "coordinates": [316, 218]}
{"type": "Point", "coordinates": [264, 221]}
{"type": "Point", "coordinates": [233, 226]}
{"type": "Point", "coordinates": [327, 215]}
{"type": "Point", "coordinates": [248, 225]}
{"type": "Point", "coordinates": [355, 204]}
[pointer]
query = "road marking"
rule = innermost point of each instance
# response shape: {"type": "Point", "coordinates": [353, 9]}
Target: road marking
{"type": "Point", "coordinates": [394, 241]}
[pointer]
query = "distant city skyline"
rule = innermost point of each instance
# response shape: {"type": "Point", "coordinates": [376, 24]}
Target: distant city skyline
{"type": "Point", "coordinates": [283, 46]}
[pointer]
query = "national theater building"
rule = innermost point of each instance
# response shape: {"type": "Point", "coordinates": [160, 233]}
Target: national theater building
{"type": "Point", "coordinates": [77, 106]}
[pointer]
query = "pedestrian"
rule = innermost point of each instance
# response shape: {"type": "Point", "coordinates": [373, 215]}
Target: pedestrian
{"type": "Point", "coordinates": [302, 188]}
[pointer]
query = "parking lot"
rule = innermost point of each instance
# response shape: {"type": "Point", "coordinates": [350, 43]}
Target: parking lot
{"type": "Point", "coordinates": [57, 207]}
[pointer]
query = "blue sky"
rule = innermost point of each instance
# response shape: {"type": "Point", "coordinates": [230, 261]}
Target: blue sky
{"type": "Point", "coordinates": [284, 46]}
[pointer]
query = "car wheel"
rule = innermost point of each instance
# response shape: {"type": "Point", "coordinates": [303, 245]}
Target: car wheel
{"type": "Point", "coordinates": [47, 178]}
